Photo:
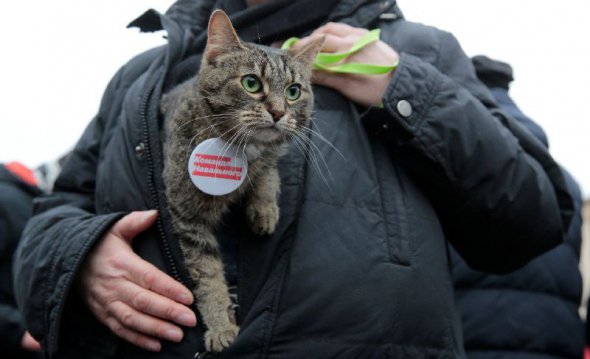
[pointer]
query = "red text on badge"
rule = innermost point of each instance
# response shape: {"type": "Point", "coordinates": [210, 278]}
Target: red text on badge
{"type": "Point", "coordinates": [216, 167]}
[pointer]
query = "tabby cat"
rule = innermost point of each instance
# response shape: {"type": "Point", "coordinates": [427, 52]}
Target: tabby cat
{"type": "Point", "coordinates": [257, 98]}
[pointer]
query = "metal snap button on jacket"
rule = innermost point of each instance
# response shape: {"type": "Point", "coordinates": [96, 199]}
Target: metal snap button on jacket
{"type": "Point", "coordinates": [404, 108]}
{"type": "Point", "coordinates": [139, 150]}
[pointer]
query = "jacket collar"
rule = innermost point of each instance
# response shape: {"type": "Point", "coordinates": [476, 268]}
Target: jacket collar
{"type": "Point", "coordinates": [194, 14]}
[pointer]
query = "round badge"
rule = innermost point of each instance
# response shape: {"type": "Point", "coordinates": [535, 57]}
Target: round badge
{"type": "Point", "coordinates": [217, 168]}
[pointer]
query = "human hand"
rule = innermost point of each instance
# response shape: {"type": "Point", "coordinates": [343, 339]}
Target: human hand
{"type": "Point", "coordinates": [29, 343]}
{"type": "Point", "coordinates": [365, 90]}
{"type": "Point", "coordinates": [136, 300]}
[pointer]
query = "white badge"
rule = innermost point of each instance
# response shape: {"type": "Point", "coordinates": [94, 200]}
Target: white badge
{"type": "Point", "coordinates": [217, 168]}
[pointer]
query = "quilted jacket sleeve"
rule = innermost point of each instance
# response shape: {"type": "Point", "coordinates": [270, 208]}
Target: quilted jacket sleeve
{"type": "Point", "coordinates": [56, 241]}
{"type": "Point", "coordinates": [65, 225]}
{"type": "Point", "coordinates": [500, 196]}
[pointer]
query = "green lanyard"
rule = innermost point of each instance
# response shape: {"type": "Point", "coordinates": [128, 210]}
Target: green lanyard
{"type": "Point", "coordinates": [331, 61]}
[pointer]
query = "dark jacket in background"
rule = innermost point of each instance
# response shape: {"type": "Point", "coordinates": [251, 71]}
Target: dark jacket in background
{"type": "Point", "coordinates": [357, 267]}
{"type": "Point", "coordinates": [16, 207]}
{"type": "Point", "coordinates": [531, 313]}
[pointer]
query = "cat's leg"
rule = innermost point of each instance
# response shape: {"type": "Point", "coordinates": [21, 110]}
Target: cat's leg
{"type": "Point", "coordinates": [262, 210]}
{"type": "Point", "coordinates": [203, 260]}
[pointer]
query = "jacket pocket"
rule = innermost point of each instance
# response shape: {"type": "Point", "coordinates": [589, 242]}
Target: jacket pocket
{"type": "Point", "coordinates": [396, 213]}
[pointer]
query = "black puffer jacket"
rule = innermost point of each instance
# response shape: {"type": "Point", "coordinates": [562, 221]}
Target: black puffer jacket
{"type": "Point", "coordinates": [531, 313]}
{"type": "Point", "coordinates": [357, 267]}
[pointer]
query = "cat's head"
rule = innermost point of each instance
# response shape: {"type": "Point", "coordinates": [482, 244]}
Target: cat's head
{"type": "Point", "coordinates": [265, 93]}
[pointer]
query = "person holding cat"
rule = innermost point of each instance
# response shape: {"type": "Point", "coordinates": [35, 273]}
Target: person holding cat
{"type": "Point", "coordinates": [350, 258]}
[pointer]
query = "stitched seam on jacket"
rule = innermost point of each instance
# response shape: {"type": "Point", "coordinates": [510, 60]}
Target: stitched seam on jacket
{"type": "Point", "coordinates": [426, 142]}
{"type": "Point", "coordinates": [420, 134]}
{"type": "Point", "coordinates": [46, 289]}
{"type": "Point", "coordinates": [403, 259]}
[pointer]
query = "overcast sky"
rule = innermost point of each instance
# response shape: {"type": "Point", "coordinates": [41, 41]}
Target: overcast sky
{"type": "Point", "coordinates": [57, 57]}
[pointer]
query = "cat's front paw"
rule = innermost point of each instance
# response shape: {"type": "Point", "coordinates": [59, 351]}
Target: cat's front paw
{"type": "Point", "coordinates": [263, 217]}
{"type": "Point", "coordinates": [220, 338]}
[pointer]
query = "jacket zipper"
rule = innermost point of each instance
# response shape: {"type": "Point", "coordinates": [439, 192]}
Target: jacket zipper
{"type": "Point", "coordinates": [169, 258]}
{"type": "Point", "coordinates": [152, 187]}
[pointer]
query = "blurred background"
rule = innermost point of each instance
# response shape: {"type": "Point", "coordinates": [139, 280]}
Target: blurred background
{"type": "Point", "coordinates": [59, 55]}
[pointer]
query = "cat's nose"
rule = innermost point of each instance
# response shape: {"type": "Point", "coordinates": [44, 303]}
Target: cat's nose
{"type": "Point", "coordinates": [276, 115]}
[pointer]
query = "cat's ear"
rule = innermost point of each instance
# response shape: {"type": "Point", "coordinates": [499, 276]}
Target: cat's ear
{"type": "Point", "coordinates": [308, 53]}
{"type": "Point", "coordinates": [221, 36]}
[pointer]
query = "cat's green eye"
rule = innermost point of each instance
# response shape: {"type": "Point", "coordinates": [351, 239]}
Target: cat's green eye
{"type": "Point", "coordinates": [293, 92]}
{"type": "Point", "coordinates": [251, 83]}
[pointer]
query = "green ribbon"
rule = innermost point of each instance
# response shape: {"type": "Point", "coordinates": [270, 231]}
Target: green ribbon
{"type": "Point", "coordinates": [332, 62]}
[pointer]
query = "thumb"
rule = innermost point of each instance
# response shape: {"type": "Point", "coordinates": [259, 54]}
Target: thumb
{"type": "Point", "coordinates": [29, 343]}
{"type": "Point", "coordinates": [134, 223]}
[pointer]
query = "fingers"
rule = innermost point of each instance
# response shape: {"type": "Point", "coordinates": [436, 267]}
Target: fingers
{"type": "Point", "coordinates": [133, 337]}
{"type": "Point", "coordinates": [140, 316]}
{"type": "Point", "coordinates": [136, 300]}
{"type": "Point", "coordinates": [339, 29]}
{"type": "Point", "coordinates": [337, 44]}
{"type": "Point", "coordinates": [134, 223]}
{"type": "Point", "coordinates": [113, 319]}
{"type": "Point", "coordinates": [332, 80]}
{"type": "Point", "coordinates": [140, 271]}
{"type": "Point", "coordinates": [143, 324]}
{"type": "Point", "coordinates": [156, 305]}
{"type": "Point", "coordinates": [149, 277]}
{"type": "Point", "coordinates": [125, 316]}
{"type": "Point", "coordinates": [331, 43]}
{"type": "Point", "coordinates": [363, 90]}
{"type": "Point", "coordinates": [339, 37]}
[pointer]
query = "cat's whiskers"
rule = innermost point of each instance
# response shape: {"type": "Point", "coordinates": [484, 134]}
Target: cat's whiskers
{"type": "Point", "coordinates": [226, 147]}
{"type": "Point", "coordinates": [210, 127]}
{"type": "Point", "coordinates": [244, 139]}
{"type": "Point", "coordinates": [315, 152]}
{"type": "Point", "coordinates": [248, 137]}
{"type": "Point", "coordinates": [303, 145]}
{"type": "Point", "coordinates": [321, 137]}
{"type": "Point", "coordinates": [221, 135]}
{"type": "Point", "coordinates": [199, 118]}
{"type": "Point", "coordinates": [317, 149]}
{"type": "Point", "coordinates": [309, 157]}
{"type": "Point", "coordinates": [231, 115]}
{"type": "Point", "coordinates": [233, 138]}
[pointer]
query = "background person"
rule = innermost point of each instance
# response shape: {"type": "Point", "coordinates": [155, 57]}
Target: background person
{"type": "Point", "coordinates": [19, 185]}
{"type": "Point", "coordinates": [532, 312]}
